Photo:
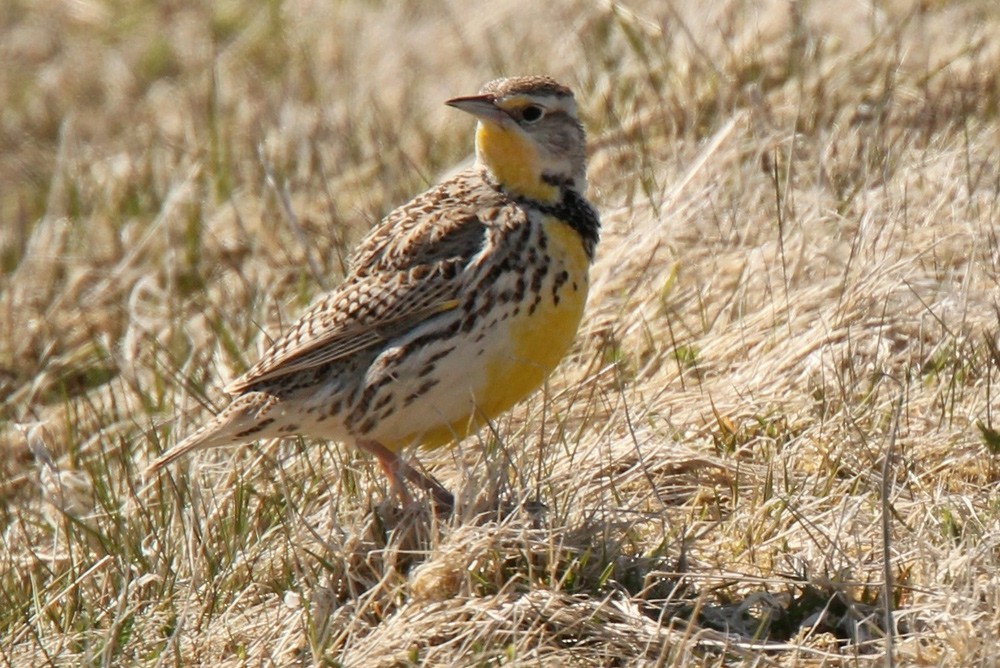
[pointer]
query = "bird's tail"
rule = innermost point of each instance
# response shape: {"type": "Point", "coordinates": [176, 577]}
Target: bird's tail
{"type": "Point", "coordinates": [243, 421]}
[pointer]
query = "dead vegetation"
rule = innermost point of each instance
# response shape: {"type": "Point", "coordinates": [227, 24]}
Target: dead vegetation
{"type": "Point", "coordinates": [778, 428]}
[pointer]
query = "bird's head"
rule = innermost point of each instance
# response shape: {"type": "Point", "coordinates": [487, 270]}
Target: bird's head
{"type": "Point", "coordinates": [529, 136]}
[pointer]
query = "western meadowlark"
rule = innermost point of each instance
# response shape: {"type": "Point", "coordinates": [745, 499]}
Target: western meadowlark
{"type": "Point", "coordinates": [457, 305]}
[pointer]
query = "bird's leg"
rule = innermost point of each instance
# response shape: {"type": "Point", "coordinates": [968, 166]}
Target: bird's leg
{"type": "Point", "coordinates": [396, 482]}
{"type": "Point", "coordinates": [398, 471]}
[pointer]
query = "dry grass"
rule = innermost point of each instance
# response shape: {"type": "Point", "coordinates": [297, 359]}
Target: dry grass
{"type": "Point", "coordinates": [793, 338]}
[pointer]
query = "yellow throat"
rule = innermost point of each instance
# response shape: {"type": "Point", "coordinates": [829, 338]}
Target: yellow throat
{"type": "Point", "coordinates": [513, 161]}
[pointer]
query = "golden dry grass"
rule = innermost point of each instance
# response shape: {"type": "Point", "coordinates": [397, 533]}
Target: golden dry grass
{"type": "Point", "coordinates": [785, 390]}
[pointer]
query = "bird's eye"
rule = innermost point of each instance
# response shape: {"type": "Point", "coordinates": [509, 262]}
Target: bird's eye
{"type": "Point", "coordinates": [532, 113]}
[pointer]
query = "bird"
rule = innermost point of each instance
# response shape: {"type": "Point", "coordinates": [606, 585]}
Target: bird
{"type": "Point", "coordinates": [454, 308]}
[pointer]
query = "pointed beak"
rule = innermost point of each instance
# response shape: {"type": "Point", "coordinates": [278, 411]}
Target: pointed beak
{"type": "Point", "coordinates": [480, 106]}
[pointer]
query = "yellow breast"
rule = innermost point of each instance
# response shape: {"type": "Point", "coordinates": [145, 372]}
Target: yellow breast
{"type": "Point", "coordinates": [540, 340]}
{"type": "Point", "coordinates": [534, 342]}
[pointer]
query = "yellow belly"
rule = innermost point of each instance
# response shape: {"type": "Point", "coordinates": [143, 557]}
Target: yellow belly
{"type": "Point", "coordinates": [536, 342]}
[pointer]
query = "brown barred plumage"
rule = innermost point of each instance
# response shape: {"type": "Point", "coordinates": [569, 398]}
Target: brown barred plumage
{"type": "Point", "coordinates": [457, 305]}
